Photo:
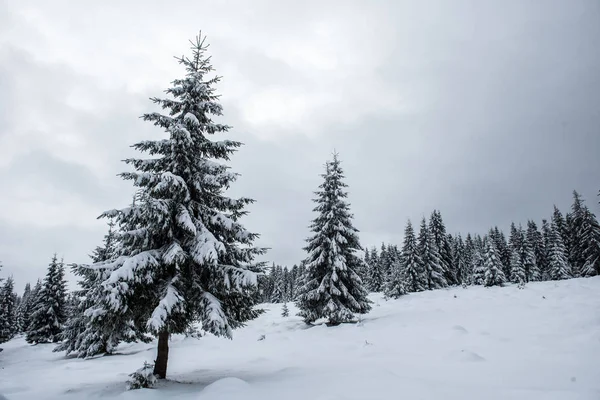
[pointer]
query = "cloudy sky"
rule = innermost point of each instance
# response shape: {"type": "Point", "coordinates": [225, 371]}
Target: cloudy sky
{"type": "Point", "coordinates": [486, 110]}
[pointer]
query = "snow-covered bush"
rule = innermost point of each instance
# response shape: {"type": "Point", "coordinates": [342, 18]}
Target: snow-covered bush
{"type": "Point", "coordinates": [142, 378]}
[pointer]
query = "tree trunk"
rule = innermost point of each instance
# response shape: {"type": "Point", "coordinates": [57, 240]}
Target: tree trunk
{"type": "Point", "coordinates": [162, 356]}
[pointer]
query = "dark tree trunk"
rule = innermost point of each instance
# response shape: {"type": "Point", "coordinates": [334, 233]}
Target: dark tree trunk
{"type": "Point", "coordinates": [160, 366]}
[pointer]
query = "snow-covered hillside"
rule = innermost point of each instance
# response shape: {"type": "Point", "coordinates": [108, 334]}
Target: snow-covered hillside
{"type": "Point", "coordinates": [542, 342]}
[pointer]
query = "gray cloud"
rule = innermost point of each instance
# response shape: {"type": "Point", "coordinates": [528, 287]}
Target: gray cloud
{"type": "Point", "coordinates": [487, 112]}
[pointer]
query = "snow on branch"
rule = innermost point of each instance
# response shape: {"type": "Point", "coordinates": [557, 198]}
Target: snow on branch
{"type": "Point", "coordinates": [171, 301]}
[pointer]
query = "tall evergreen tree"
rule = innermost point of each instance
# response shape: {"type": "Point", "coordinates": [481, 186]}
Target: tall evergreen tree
{"type": "Point", "coordinates": [463, 271]}
{"type": "Point", "coordinates": [585, 239]}
{"type": "Point", "coordinates": [24, 309]}
{"type": "Point", "coordinates": [493, 266]}
{"type": "Point", "coordinates": [375, 275]}
{"type": "Point", "coordinates": [332, 289]}
{"type": "Point", "coordinates": [502, 247]}
{"type": "Point", "coordinates": [558, 262]}
{"type": "Point", "coordinates": [49, 313]}
{"type": "Point", "coordinates": [517, 269]}
{"type": "Point", "coordinates": [8, 320]}
{"type": "Point", "coordinates": [394, 286]}
{"type": "Point", "coordinates": [437, 230]}
{"type": "Point", "coordinates": [430, 257]}
{"type": "Point", "coordinates": [184, 256]}
{"type": "Point", "coordinates": [83, 335]}
{"type": "Point", "coordinates": [478, 267]}
{"type": "Point", "coordinates": [415, 279]}
{"type": "Point", "coordinates": [546, 233]}
{"type": "Point", "coordinates": [536, 242]}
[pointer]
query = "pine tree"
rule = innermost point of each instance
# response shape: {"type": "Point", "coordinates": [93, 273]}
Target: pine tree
{"type": "Point", "coordinates": [517, 269]}
{"type": "Point", "coordinates": [184, 256]}
{"type": "Point", "coordinates": [585, 235]}
{"type": "Point", "coordinates": [478, 267]}
{"type": "Point", "coordinates": [558, 263]}
{"type": "Point", "coordinates": [535, 241]}
{"type": "Point", "coordinates": [385, 263]}
{"type": "Point", "coordinates": [493, 275]}
{"type": "Point", "coordinates": [412, 265]}
{"type": "Point", "coordinates": [437, 230]}
{"type": "Point", "coordinates": [469, 249]}
{"type": "Point", "coordinates": [84, 335]}
{"type": "Point", "coordinates": [502, 247]}
{"type": "Point", "coordinates": [394, 287]}
{"type": "Point", "coordinates": [24, 309]}
{"type": "Point", "coordinates": [285, 312]}
{"type": "Point", "coordinates": [49, 313]}
{"type": "Point", "coordinates": [8, 321]}
{"type": "Point", "coordinates": [463, 272]}
{"type": "Point", "coordinates": [332, 288]}
{"type": "Point", "coordinates": [375, 276]}
{"type": "Point", "coordinates": [430, 256]}
{"type": "Point", "coordinates": [545, 268]}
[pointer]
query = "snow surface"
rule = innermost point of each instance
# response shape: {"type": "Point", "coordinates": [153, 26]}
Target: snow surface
{"type": "Point", "coordinates": [542, 342]}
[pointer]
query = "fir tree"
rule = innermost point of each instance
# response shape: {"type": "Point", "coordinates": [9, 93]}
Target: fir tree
{"type": "Point", "coordinates": [558, 263]}
{"type": "Point", "coordinates": [332, 288]}
{"type": "Point", "coordinates": [536, 243]}
{"type": "Point", "coordinates": [394, 287]}
{"type": "Point", "coordinates": [502, 247]}
{"type": "Point", "coordinates": [493, 274]}
{"type": "Point", "coordinates": [545, 269]}
{"type": "Point", "coordinates": [585, 235]}
{"type": "Point", "coordinates": [8, 321]}
{"type": "Point", "coordinates": [415, 279]}
{"type": "Point", "coordinates": [463, 272]}
{"type": "Point", "coordinates": [25, 308]}
{"type": "Point", "coordinates": [49, 313]}
{"type": "Point", "coordinates": [478, 267]}
{"type": "Point", "coordinates": [84, 335]}
{"type": "Point", "coordinates": [184, 256]}
{"type": "Point", "coordinates": [430, 256]}
{"type": "Point", "coordinates": [285, 312]}
{"type": "Point", "coordinates": [437, 230]}
{"type": "Point", "coordinates": [375, 276]}
{"type": "Point", "coordinates": [517, 269]}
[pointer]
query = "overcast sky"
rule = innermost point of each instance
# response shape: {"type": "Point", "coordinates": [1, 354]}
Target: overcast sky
{"type": "Point", "coordinates": [486, 110]}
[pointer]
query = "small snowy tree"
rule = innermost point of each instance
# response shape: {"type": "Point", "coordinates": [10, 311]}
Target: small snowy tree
{"type": "Point", "coordinates": [332, 288]}
{"type": "Point", "coordinates": [285, 311]}
{"type": "Point", "coordinates": [184, 256]}
{"type": "Point", "coordinates": [8, 321]}
{"type": "Point", "coordinates": [493, 267]}
{"type": "Point", "coordinates": [430, 257]}
{"type": "Point", "coordinates": [394, 287]}
{"type": "Point", "coordinates": [49, 313]}
{"type": "Point", "coordinates": [558, 263]}
{"type": "Point", "coordinates": [143, 378]}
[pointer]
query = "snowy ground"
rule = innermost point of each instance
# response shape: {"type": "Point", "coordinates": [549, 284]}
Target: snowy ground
{"type": "Point", "coordinates": [542, 342]}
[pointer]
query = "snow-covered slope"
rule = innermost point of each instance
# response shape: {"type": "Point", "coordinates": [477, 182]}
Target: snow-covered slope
{"type": "Point", "coordinates": [542, 342]}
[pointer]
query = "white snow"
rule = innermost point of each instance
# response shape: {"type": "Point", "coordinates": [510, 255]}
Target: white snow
{"type": "Point", "coordinates": [542, 342]}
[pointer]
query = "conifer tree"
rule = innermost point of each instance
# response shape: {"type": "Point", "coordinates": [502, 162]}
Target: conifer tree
{"type": "Point", "coordinates": [415, 279]}
{"type": "Point", "coordinates": [437, 230]}
{"type": "Point", "coordinates": [545, 269]}
{"type": "Point", "coordinates": [84, 335]}
{"type": "Point", "coordinates": [478, 267]}
{"type": "Point", "coordinates": [24, 309]}
{"type": "Point", "coordinates": [430, 257]}
{"type": "Point", "coordinates": [535, 241]}
{"type": "Point", "coordinates": [49, 313]}
{"type": "Point", "coordinates": [558, 263]}
{"type": "Point", "coordinates": [463, 272]}
{"type": "Point", "coordinates": [395, 287]}
{"type": "Point", "coordinates": [493, 266]}
{"type": "Point", "coordinates": [375, 277]}
{"type": "Point", "coordinates": [8, 321]}
{"type": "Point", "coordinates": [585, 235]}
{"type": "Point", "coordinates": [517, 269]}
{"type": "Point", "coordinates": [332, 289]}
{"type": "Point", "coordinates": [184, 256]}
{"type": "Point", "coordinates": [285, 311]}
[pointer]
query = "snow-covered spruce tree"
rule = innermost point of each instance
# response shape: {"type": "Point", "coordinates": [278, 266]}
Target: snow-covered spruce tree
{"type": "Point", "coordinates": [585, 235]}
{"type": "Point", "coordinates": [517, 269]}
{"type": "Point", "coordinates": [8, 320]}
{"type": "Point", "coordinates": [415, 279]}
{"type": "Point", "coordinates": [24, 309]}
{"type": "Point", "coordinates": [49, 312]}
{"type": "Point", "coordinates": [394, 287]}
{"type": "Point", "coordinates": [546, 239]}
{"type": "Point", "coordinates": [285, 311]}
{"type": "Point", "coordinates": [430, 257]}
{"type": "Point", "coordinates": [81, 334]}
{"type": "Point", "coordinates": [536, 243]}
{"type": "Point", "coordinates": [558, 262]}
{"type": "Point", "coordinates": [332, 289]}
{"type": "Point", "coordinates": [463, 272]}
{"type": "Point", "coordinates": [502, 248]}
{"type": "Point", "coordinates": [437, 230]}
{"type": "Point", "coordinates": [184, 256]}
{"type": "Point", "coordinates": [385, 263]}
{"type": "Point", "coordinates": [493, 275]}
{"type": "Point", "coordinates": [478, 267]}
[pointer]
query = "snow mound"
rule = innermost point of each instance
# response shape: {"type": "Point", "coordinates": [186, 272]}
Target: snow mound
{"type": "Point", "coordinates": [226, 389]}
